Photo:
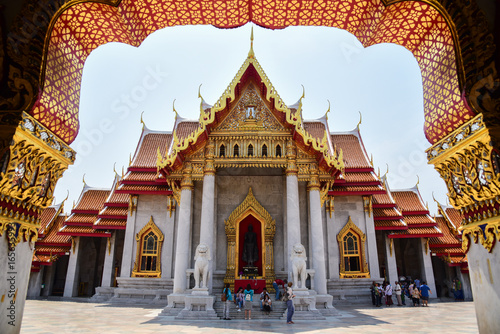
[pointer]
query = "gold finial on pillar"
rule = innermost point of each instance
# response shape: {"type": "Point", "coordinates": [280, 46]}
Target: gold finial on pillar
{"type": "Point", "coordinates": [251, 54]}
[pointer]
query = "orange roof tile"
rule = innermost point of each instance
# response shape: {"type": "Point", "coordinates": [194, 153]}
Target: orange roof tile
{"type": "Point", "coordinates": [418, 220]}
{"type": "Point", "coordinates": [446, 250]}
{"type": "Point", "coordinates": [360, 177]}
{"type": "Point", "coordinates": [408, 200]}
{"type": "Point", "coordinates": [455, 216]}
{"type": "Point", "coordinates": [140, 176]}
{"type": "Point", "coordinates": [46, 217]}
{"type": "Point", "coordinates": [52, 236]}
{"type": "Point", "coordinates": [104, 222]}
{"type": "Point", "coordinates": [52, 249]}
{"type": "Point", "coordinates": [383, 199]}
{"type": "Point", "coordinates": [145, 156]}
{"type": "Point", "coordinates": [416, 232]}
{"type": "Point", "coordinates": [354, 189]}
{"type": "Point", "coordinates": [386, 212]}
{"type": "Point", "coordinates": [459, 259]}
{"type": "Point", "coordinates": [114, 211]}
{"type": "Point", "coordinates": [133, 188]}
{"type": "Point", "coordinates": [83, 230]}
{"type": "Point", "coordinates": [384, 224]}
{"type": "Point", "coordinates": [81, 218]}
{"type": "Point", "coordinates": [185, 128]}
{"type": "Point", "coordinates": [448, 237]}
{"type": "Point", "coordinates": [118, 198]}
{"type": "Point", "coordinates": [354, 156]}
{"type": "Point", "coordinates": [43, 258]}
{"type": "Point", "coordinates": [92, 199]}
{"type": "Point", "coordinates": [315, 129]}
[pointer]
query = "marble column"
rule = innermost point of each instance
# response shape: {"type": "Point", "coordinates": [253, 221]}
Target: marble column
{"type": "Point", "coordinates": [371, 239]}
{"type": "Point", "coordinates": [207, 224]}
{"type": "Point", "coordinates": [391, 268]}
{"type": "Point", "coordinates": [35, 283]}
{"type": "Point", "coordinates": [128, 256]}
{"type": "Point", "coordinates": [72, 275]}
{"type": "Point", "coordinates": [183, 232]}
{"type": "Point", "coordinates": [333, 247]}
{"type": "Point", "coordinates": [109, 259]}
{"type": "Point", "coordinates": [48, 280]}
{"type": "Point", "coordinates": [317, 236]}
{"type": "Point", "coordinates": [426, 269]}
{"type": "Point", "coordinates": [292, 204]}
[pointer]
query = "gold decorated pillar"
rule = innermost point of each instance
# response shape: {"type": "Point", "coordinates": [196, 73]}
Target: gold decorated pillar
{"type": "Point", "coordinates": [470, 166]}
{"type": "Point", "coordinates": [31, 162]}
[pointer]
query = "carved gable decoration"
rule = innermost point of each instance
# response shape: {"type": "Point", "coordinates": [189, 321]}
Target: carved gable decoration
{"type": "Point", "coordinates": [250, 112]}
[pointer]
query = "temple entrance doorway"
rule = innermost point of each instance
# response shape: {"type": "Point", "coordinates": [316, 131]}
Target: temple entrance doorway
{"type": "Point", "coordinates": [250, 233]}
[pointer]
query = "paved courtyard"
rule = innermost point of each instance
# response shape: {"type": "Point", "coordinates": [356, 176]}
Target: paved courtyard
{"type": "Point", "coordinates": [76, 317]}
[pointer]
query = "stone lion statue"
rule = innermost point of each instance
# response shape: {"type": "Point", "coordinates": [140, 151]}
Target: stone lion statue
{"type": "Point", "coordinates": [201, 265]}
{"type": "Point", "coordinates": [299, 259]}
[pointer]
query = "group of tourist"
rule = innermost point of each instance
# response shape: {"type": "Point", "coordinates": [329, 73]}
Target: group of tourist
{"type": "Point", "coordinates": [414, 289]}
{"type": "Point", "coordinates": [244, 299]}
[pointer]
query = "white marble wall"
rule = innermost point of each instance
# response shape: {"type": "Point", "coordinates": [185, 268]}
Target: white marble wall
{"type": "Point", "coordinates": [427, 270]}
{"type": "Point", "coordinates": [73, 272]}
{"type": "Point", "coordinates": [484, 271]}
{"type": "Point", "coordinates": [35, 283]}
{"type": "Point", "coordinates": [147, 206]}
{"type": "Point", "coordinates": [14, 278]}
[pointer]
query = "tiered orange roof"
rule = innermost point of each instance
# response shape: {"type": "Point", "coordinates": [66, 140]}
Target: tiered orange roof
{"type": "Point", "coordinates": [84, 214]}
{"type": "Point", "coordinates": [142, 174]}
{"type": "Point", "coordinates": [415, 214]}
{"type": "Point", "coordinates": [449, 246]}
{"type": "Point", "coordinates": [386, 215]}
{"type": "Point", "coordinates": [114, 214]}
{"type": "Point", "coordinates": [358, 177]}
{"type": "Point", "coordinates": [50, 245]}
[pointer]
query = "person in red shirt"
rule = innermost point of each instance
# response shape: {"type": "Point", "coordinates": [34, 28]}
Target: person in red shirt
{"type": "Point", "coordinates": [276, 285]}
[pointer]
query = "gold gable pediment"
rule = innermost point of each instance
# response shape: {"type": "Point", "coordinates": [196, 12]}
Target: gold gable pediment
{"type": "Point", "coordinates": [250, 113]}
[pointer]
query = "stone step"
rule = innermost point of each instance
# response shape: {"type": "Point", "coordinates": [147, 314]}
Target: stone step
{"type": "Point", "coordinates": [279, 308]}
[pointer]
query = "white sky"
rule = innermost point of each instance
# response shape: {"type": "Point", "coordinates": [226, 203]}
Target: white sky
{"type": "Point", "coordinates": [383, 82]}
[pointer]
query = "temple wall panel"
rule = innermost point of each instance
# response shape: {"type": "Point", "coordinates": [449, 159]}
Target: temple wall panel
{"type": "Point", "coordinates": [349, 206]}
{"type": "Point", "coordinates": [232, 187]}
{"type": "Point", "coordinates": [154, 206]}
{"type": "Point", "coordinates": [35, 283]}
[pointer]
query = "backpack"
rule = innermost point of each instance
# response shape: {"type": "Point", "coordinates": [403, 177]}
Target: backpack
{"type": "Point", "coordinates": [223, 297]}
{"type": "Point", "coordinates": [248, 297]}
{"type": "Point", "coordinates": [286, 297]}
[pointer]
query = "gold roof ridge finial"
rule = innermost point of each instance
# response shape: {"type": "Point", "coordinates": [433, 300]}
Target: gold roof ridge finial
{"type": "Point", "coordinates": [418, 181]}
{"type": "Point", "coordinates": [123, 174]}
{"type": "Point", "coordinates": [114, 169]}
{"type": "Point", "coordinates": [83, 179]}
{"type": "Point", "coordinates": [360, 120]}
{"type": "Point", "coordinates": [251, 54]}
{"type": "Point", "coordinates": [67, 196]}
{"type": "Point", "coordinates": [199, 92]}
{"type": "Point", "coordinates": [142, 121]}
{"type": "Point", "coordinates": [130, 159]}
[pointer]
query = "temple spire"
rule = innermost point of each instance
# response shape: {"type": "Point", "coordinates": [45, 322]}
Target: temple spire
{"type": "Point", "coordinates": [251, 54]}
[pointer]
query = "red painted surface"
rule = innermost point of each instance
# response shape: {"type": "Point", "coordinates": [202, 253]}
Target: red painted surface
{"type": "Point", "coordinates": [250, 220]}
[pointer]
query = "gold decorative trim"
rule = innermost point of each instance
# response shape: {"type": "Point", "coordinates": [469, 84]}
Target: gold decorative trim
{"type": "Point", "coordinates": [330, 205]}
{"type": "Point", "coordinates": [150, 226]}
{"type": "Point", "coordinates": [132, 206]}
{"type": "Point", "coordinates": [368, 206]}
{"type": "Point", "coordinates": [250, 206]}
{"type": "Point", "coordinates": [208, 117]}
{"type": "Point", "coordinates": [486, 235]}
{"type": "Point", "coordinates": [364, 272]}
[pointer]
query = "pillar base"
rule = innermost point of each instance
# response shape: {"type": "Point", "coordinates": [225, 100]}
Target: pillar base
{"type": "Point", "coordinates": [305, 305]}
{"type": "Point", "coordinates": [190, 307]}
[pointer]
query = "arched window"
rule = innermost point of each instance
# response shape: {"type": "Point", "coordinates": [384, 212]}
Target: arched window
{"type": "Point", "coordinates": [352, 252]}
{"type": "Point", "coordinates": [278, 150]}
{"type": "Point", "coordinates": [236, 150]}
{"type": "Point", "coordinates": [148, 256]}
{"type": "Point", "coordinates": [222, 151]}
{"type": "Point", "coordinates": [264, 150]}
{"type": "Point", "coordinates": [250, 150]}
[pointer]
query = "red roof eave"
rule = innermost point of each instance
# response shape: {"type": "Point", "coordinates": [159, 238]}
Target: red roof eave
{"type": "Point", "coordinates": [390, 228]}
{"type": "Point", "coordinates": [424, 235]}
{"type": "Point", "coordinates": [77, 234]}
{"type": "Point", "coordinates": [110, 227]}
{"type": "Point", "coordinates": [355, 193]}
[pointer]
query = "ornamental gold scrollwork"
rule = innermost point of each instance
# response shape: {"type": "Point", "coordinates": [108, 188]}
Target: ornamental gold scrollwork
{"type": "Point", "coordinates": [487, 235]}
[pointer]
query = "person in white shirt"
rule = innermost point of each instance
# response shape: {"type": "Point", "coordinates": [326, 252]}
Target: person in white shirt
{"type": "Point", "coordinates": [397, 290]}
{"type": "Point", "coordinates": [388, 294]}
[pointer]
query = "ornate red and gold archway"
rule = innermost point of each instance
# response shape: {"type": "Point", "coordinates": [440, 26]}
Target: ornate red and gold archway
{"type": "Point", "coordinates": [423, 27]}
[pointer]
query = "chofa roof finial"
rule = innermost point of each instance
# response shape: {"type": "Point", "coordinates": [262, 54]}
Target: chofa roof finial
{"type": "Point", "coordinates": [251, 54]}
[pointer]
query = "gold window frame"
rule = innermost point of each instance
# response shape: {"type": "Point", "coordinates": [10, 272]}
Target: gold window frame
{"type": "Point", "coordinates": [363, 272]}
{"type": "Point", "coordinates": [139, 238]}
